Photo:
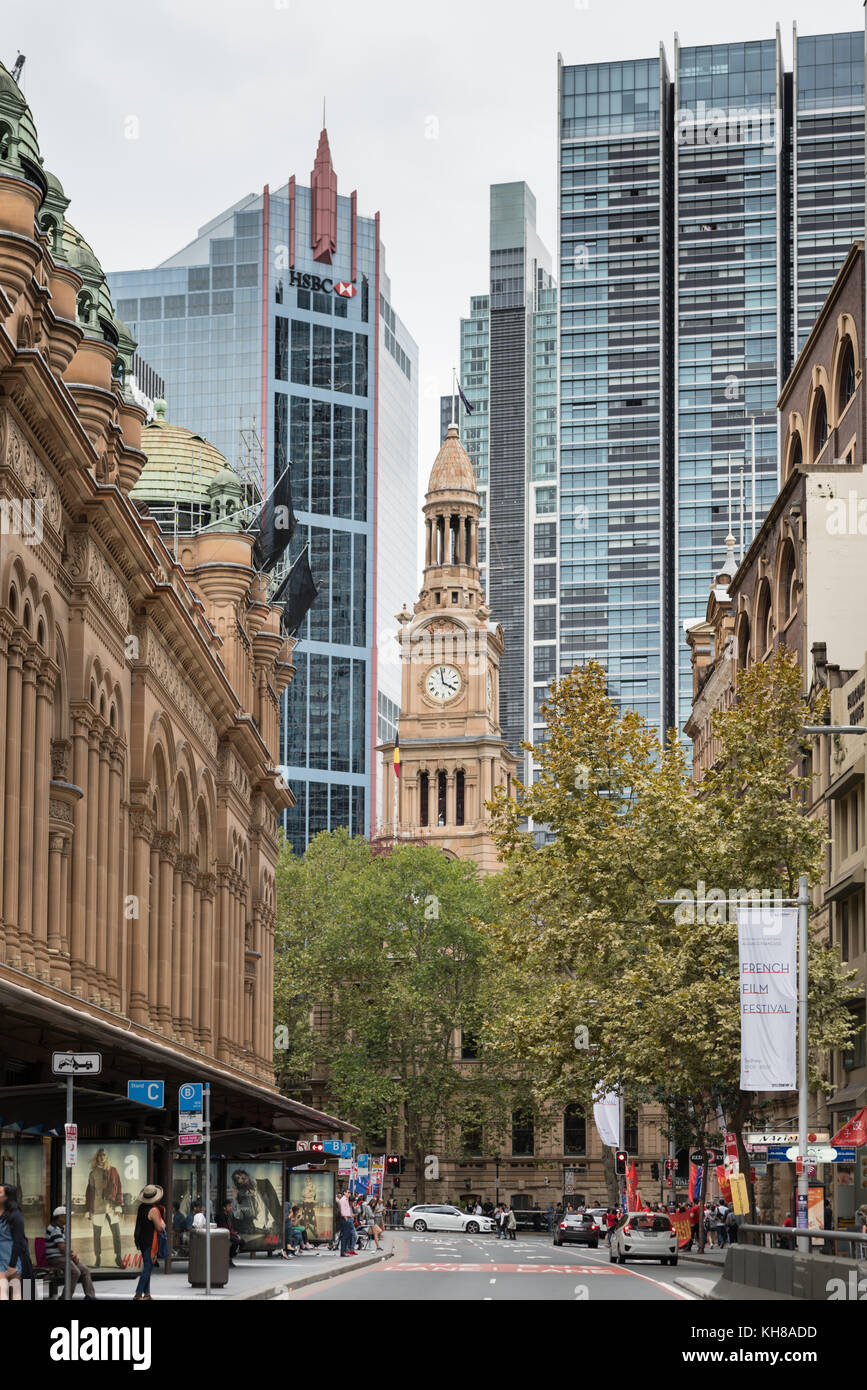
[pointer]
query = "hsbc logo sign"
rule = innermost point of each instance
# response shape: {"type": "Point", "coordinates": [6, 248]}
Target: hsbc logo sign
{"type": "Point", "coordinates": [322, 286]}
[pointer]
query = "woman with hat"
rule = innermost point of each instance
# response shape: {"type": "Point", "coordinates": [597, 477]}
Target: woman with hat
{"type": "Point", "coordinates": [148, 1220]}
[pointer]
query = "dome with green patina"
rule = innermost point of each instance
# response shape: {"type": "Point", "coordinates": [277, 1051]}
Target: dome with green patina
{"type": "Point", "coordinates": [181, 466]}
{"type": "Point", "coordinates": [19, 144]}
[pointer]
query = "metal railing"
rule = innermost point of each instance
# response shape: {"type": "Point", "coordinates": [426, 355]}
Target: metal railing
{"type": "Point", "coordinates": [846, 1244]}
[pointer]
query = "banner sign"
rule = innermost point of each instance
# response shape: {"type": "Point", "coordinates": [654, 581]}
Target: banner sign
{"type": "Point", "coordinates": [606, 1113]}
{"type": "Point", "coordinates": [680, 1222]}
{"type": "Point", "coordinates": [768, 997]}
{"type": "Point", "coordinates": [855, 1132]}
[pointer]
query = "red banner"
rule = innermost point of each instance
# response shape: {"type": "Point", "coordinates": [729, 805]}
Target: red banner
{"type": "Point", "coordinates": [855, 1132]}
{"type": "Point", "coordinates": [680, 1222]}
{"type": "Point", "coordinates": [632, 1198]}
{"type": "Point", "coordinates": [725, 1186]}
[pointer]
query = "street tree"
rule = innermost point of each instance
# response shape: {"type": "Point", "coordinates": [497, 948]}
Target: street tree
{"type": "Point", "coordinates": [381, 972]}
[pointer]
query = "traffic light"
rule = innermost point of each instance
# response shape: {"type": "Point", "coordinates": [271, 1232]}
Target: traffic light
{"type": "Point", "coordinates": [654, 1171]}
{"type": "Point", "coordinates": [621, 1158]}
{"type": "Point", "coordinates": [394, 1164]}
{"type": "Point", "coordinates": [317, 1152]}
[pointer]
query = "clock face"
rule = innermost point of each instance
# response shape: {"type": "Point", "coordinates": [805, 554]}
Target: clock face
{"type": "Point", "coordinates": [443, 683]}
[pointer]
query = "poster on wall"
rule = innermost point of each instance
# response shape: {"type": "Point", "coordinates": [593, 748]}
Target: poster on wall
{"type": "Point", "coordinates": [256, 1194]}
{"type": "Point", "coordinates": [106, 1182]}
{"type": "Point", "coordinates": [314, 1194]}
{"type": "Point", "coordinates": [24, 1165]}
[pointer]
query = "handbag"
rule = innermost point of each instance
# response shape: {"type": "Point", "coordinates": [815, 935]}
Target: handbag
{"type": "Point", "coordinates": [162, 1245]}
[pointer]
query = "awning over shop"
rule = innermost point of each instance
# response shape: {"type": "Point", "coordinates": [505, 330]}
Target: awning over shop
{"type": "Point", "coordinates": [850, 1095]}
{"type": "Point", "coordinates": [44, 1107]}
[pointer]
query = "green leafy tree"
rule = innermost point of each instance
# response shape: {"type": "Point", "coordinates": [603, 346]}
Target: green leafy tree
{"type": "Point", "coordinates": [581, 920]}
{"type": "Point", "coordinates": [381, 958]}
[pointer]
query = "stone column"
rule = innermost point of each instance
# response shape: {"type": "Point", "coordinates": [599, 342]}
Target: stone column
{"type": "Point", "coordinates": [140, 824]}
{"type": "Point", "coordinates": [42, 793]}
{"type": "Point", "coordinates": [78, 897]}
{"type": "Point", "coordinates": [91, 895]}
{"type": "Point", "coordinates": [167, 878]}
{"type": "Point", "coordinates": [153, 930]}
{"type": "Point", "coordinates": [207, 888]}
{"type": "Point", "coordinates": [115, 918]}
{"type": "Point", "coordinates": [12, 825]}
{"type": "Point", "coordinates": [5, 634]}
{"type": "Point", "coordinates": [221, 962]}
{"type": "Point", "coordinates": [103, 821]}
{"type": "Point", "coordinates": [176, 945]}
{"type": "Point", "coordinates": [188, 880]}
{"type": "Point", "coordinates": [55, 857]}
{"type": "Point", "coordinates": [27, 804]}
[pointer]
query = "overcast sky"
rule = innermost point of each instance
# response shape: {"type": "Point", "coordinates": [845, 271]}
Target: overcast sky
{"type": "Point", "coordinates": [227, 96]}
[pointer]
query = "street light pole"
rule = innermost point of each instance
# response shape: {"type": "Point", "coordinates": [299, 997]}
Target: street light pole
{"type": "Point", "coordinates": [803, 947]}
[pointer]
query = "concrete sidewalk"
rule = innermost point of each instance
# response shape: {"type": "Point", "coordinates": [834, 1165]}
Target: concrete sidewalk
{"type": "Point", "coordinates": [249, 1278]}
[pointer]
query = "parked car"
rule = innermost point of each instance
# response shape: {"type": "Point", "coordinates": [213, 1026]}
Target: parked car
{"type": "Point", "coordinates": [577, 1229]}
{"type": "Point", "coordinates": [430, 1217]}
{"type": "Point", "coordinates": [644, 1235]}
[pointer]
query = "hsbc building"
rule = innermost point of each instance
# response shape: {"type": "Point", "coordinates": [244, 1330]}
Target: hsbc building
{"type": "Point", "coordinates": [277, 338]}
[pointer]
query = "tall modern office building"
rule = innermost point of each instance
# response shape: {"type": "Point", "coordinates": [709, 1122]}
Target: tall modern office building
{"type": "Point", "coordinates": [508, 371]}
{"type": "Point", "coordinates": [705, 208]}
{"type": "Point", "coordinates": [276, 336]}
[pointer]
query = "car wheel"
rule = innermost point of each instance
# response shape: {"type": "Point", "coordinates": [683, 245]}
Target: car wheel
{"type": "Point", "coordinates": [472, 1228]}
{"type": "Point", "coordinates": [419, 1225]}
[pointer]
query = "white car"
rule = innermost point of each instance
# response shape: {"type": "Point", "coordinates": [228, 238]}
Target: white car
{"type": "Point", "coordinates": [440, 1217]}
{"type": "Point", "coordinates": [644, 1235]}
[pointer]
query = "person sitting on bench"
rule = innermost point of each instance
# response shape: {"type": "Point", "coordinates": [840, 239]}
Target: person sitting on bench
{"type": "Point", "coordinates": [55, 1256]}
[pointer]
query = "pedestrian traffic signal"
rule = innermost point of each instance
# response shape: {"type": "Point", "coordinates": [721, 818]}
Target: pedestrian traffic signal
{"type": "Point", "coordinates": [621, 1158]}
{"type": "Point", "coordinates": [654, 1171]}
{"type": "Point", "coordinates": [317, 1147]}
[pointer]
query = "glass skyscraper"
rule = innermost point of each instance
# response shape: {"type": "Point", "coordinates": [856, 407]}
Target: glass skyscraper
{"type": "Point", "coordinates": [703, 218]}
{"type": "Point", "coordinates": [275, 333]}
{"type": "Point", "coordinates": [508, 371]}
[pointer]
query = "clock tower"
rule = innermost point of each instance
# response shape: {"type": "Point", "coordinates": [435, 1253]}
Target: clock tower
{"type": "Point", "coordinates": [451, 747]}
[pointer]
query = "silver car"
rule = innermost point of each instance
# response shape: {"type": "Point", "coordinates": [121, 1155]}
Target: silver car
{"type": "Point", "coordinates": [644, 1235]}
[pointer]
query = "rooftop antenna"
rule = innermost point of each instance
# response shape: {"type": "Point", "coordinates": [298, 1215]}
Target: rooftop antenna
{"type": "Point", "coordinates": [18, 67]}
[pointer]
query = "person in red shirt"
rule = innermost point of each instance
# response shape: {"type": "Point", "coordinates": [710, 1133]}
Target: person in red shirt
{"type": "Point", "coordinates": [610, 1221]}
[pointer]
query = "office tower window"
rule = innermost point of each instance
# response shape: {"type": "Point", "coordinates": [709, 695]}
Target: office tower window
{"type": "Point", "coordinates": [544, 539]}
{"type": "Point", "coordinates": [360, 467]}
{"type": "Point", "coordinates": [544, 663]}
{"type": "Point", "coordinates": [299, 451]}
{"type": "Point", "coordinates": [321, 455]}
{"type": "Point", "coordinates": [360, 365]}
{"type": "Point", "coordinates": [300, 353]}
{"type": "Point", "coordinates": [544, 621]}
{"type": "Point", "coordinates": [359, 741]}
{"type": "Point", "coordinates": [281, 349]}
{"type": "Point", "coordinates": [342, 360]}
{"type": "Point", "coordinates": [341, 697]}
{"type": "Point", "coordinates": [545, 581]}
{"type": "Point", "coordinates": [322, 365]}
{"type": "Point", "coordinates": [342, 465]}
{"type": "Point", "coordinates": [359, 600]}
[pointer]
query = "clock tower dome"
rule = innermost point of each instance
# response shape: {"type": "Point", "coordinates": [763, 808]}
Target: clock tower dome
{"type": "Point", "coordinates": [451, 748]}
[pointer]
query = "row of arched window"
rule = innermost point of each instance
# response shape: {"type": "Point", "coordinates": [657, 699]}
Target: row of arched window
{"type": "Point", "coordinates": [828, 400]}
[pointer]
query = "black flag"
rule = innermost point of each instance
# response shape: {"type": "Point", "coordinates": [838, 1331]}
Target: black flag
{"type": "Point", "coordinates": [276, 523]}
{"type": "Point", "coordinates": [299, 590]}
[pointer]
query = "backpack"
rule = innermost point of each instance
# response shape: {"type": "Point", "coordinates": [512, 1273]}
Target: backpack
{"type": "Point", "coordinates": [731, 1219]}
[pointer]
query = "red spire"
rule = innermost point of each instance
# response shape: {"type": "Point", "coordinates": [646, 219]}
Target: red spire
{"type": "Point", "coordinates": [323, 196]}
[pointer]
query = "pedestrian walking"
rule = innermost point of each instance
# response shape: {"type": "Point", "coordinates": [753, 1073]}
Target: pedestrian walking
{"type": "Point", "coordinates": [721, 1228]}
{"type": "Point", "coordinates": [610, 1222]}
{"type": "Point", "coordinates": [732, 1228]}
{"type": "Point", "coordinates": [14, 1255]}
{"type": "Point", "coordinates": [148, 1223]}
{"type": "Point", "coordinates": [55, 1256]}
{"type": "Point", "coordinates": [511, 1224]}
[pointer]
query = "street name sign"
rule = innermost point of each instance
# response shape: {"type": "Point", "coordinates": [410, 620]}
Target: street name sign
{"type": "Point", "coordinates": [76, 1063]}
{"type": "Point", "coordinates": [785, 1136]}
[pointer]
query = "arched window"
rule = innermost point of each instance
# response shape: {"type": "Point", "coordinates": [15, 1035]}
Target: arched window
{"type": "Point", "coordinates": [5, 140]}
{"type": "Point", "coordinates": [786, 583]}
{"type": "Point", "coordinates": [761, 625]}
{"type": "Point", "coordinates": [459, 797]}
{"type": "Point", "coordinates": [423, 798]}
{"type": "Point", "coordinates": [796, 456]}
{"type": "Point", "coordinates": [574, 1130]}
{"type": "Point", "coordinates": [441, 798]}
{"type": "Point", "coordinates": [743, 642]}
{"type": "Point", "coordinates": [820, 424]}
{"type": "Point", "coordinates": [85, 307]}
{"type": "Point", "coordinates": [847, 376]}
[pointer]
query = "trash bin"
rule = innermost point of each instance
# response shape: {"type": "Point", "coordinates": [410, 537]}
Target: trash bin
{"type": "Point", "coordinates": [219, 1258]}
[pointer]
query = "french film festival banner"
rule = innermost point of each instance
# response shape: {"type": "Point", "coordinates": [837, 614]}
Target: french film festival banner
{"type": "Point", "coordinates": [768, 992]}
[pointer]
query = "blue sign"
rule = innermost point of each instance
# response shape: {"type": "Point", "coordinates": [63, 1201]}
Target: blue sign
{"type": "Point", "coordinates": [340, 1147]}
{"type": "Point", "coordinates": [146, 1092]}
{"type": "Point", "coordinates": [190, 1096]}
{"type": "Point", "coordinates": [778, 1153]}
